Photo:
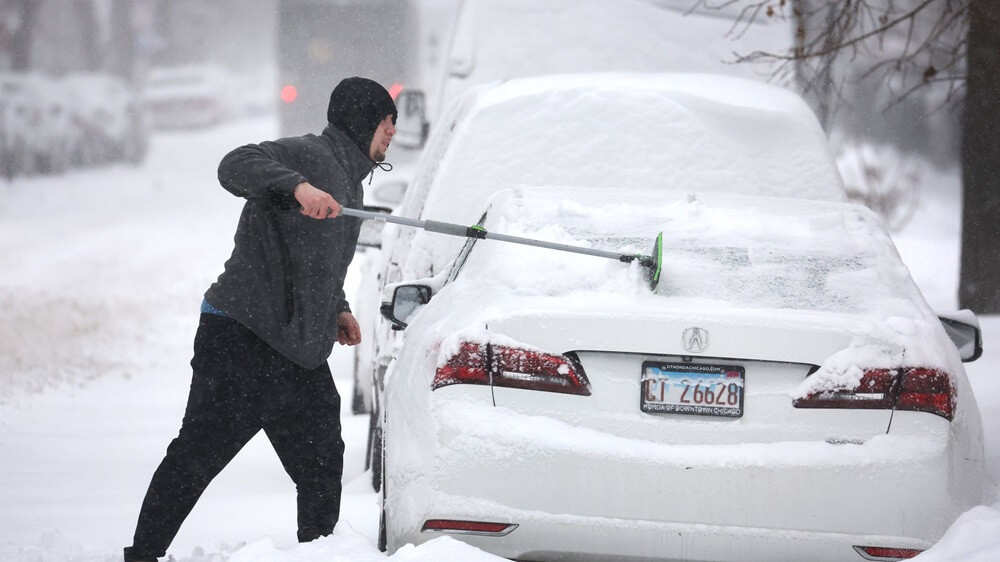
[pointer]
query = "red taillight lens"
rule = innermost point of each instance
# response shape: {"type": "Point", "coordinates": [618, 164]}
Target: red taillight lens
{"type": "Point", "coordinates": [469, 365]}
{"type": "Point", "coordinates": [289, 93]}
{"type": "Point", "coordinates": [914, 389]}
{"type": "Point", "coordinates": [886, 553]}
{"type": "Point", "coordinates": [926, 390]}
{"type": "Point", "coordinates": [532, 370]}
{"type": "Point", "coordinates": [512, 367]}
{"type": "Point", "coordinates": [469, 527]}
{"type": "Point", "coordinates": [873, 392]}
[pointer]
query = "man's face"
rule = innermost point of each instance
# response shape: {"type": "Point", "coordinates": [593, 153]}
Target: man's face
{"type": "Point", "coordinates": [381, 139]}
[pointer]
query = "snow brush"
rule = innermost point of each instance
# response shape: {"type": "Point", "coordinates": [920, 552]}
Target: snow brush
{"type": "Point", "coordinates": [652, 262]}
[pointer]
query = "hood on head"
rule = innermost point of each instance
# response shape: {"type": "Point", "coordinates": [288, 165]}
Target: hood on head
{"type": "Point", "coordinates": [357, 106]}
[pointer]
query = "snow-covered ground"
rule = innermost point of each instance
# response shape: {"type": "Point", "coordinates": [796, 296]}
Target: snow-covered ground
{"type": "Point", "coordinates": [103, 273]}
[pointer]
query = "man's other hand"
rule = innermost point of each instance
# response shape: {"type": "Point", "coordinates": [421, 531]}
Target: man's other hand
{"type": "Point", "coordinates": [348, 330]}
{"type": "Point", "coordinates": [315, 202]}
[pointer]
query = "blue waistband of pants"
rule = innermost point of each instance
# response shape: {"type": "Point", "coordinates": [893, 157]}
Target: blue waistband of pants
{"type": "Point", "coordinates": [207, 308]}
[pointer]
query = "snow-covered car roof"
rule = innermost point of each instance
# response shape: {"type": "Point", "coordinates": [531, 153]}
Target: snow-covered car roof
{"type": "Point", "coordinates": [95, 90]}
{"type": "Point", "coordinates": [185, 80]}
{"type": "Point", "coordinates": [691, 132]}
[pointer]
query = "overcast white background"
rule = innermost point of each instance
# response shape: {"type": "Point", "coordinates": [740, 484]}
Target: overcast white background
{"type": "Point", "coordinates": [102, 272]}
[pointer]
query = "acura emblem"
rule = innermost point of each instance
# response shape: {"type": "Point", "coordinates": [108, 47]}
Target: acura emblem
{"type": "Point", "coordinates": [695, 340]}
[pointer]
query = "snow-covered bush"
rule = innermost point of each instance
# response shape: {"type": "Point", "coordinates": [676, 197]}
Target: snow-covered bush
{"type": "Point", "coordinates": [26, 114]}
{"type": "Point", "coordinates": [109, 115]}
{"type": "Point", "coordinates": [48, 125]}
{"type": "Point", "coordinates": [882, 178]}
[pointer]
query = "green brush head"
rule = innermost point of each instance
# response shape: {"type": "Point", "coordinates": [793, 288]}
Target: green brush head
{"type": "Point", "coordinates": [654, 268]}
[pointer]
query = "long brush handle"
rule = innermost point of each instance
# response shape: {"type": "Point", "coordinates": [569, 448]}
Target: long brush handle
{"type": "Point", "coordinates": [478, 232]}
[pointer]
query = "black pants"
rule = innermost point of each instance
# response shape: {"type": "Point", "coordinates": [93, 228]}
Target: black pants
{"type": "Point", "coordinates": [240, 386]}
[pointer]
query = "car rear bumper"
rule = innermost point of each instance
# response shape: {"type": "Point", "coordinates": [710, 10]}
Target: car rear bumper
{"type": "Point", "coordinates": [574, 490]}
{"type": "Point", "coordinates": [557, 537]}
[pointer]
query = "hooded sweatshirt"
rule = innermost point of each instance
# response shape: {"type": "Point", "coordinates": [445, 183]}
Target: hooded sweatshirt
{"type": "Point", "coordinates": [285, 278]}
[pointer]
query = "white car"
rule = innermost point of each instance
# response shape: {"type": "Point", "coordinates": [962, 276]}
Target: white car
{"type": "Point", "coordinates": [632, 131]}
{"type": "Point", "coordinates": [784, 393]}
{"type": "Point", "coordinates": [189, 96]}
{"type": "Point", "coordinates": [466, 43]}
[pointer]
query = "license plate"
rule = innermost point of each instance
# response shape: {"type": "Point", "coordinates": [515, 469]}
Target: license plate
{"type": "Point", "coordinates": [687, 388]}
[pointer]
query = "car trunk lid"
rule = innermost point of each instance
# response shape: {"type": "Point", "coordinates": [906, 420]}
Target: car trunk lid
{"type": "Point", "coordinates": [756, 367]}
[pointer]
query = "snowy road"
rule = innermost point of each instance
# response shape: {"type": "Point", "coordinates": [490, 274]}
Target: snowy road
{"type": "Point", "coordinates": [103, 273]}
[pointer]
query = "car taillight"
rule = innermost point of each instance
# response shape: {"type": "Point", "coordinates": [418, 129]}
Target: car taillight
{"type": "Point", "coordinates": [874, 391]}
{"type": "Point", "coordinates": [512, 367]}
{"type": "Point", "coordinates": [881, 553]}
{"type": "Point", "coordinates": [532, 370]}
{"type": "Point", "coordinates": [915, 389]}
{"type": "Point", "coordinates": [467, 366]}
{"type": "Point", "coordinates": [926, 390]}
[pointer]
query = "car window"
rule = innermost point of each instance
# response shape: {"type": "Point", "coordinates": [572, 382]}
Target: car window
{"type": "Point", "coordinates": [439, 145]}
{"type": "Point", "coordinates": [416, 194]}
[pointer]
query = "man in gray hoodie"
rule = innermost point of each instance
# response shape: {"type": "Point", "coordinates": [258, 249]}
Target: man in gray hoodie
{"type": "Point", "coordinates": [269, 322]}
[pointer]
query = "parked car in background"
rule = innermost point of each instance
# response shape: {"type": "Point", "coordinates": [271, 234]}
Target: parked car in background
{"type": "Point", "coordinates": [189, 96]}
{"type": "Point", "coordinates": [486, 41]}
{"type": "Point", "coordinates": [490, 40]}
{"type": "Point", "coordinates": [784, 393]}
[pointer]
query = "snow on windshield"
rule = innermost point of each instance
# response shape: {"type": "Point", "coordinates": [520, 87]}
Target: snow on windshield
{"type": "Point", "coordinates": [719, 251]}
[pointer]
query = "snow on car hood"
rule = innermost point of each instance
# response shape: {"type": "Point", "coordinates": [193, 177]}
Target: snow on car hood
{"type": "Point", "coordinates": [790, 261]}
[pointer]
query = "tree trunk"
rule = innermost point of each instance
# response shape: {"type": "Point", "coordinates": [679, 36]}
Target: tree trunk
{"type": "Point", "coordinates": [979, 285]}
{"type": "Point", "coordinates": [83, 13]}
{"type": "Point", "coordinates": [22, 36]}
{"type": "Point", "coordinates": [165, 25]}
{"type": "Point", "coordinates": [122, 52]}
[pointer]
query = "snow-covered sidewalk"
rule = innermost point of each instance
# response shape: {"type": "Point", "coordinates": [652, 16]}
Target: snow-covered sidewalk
{"type": "Point", "coordinates": [103, 273]}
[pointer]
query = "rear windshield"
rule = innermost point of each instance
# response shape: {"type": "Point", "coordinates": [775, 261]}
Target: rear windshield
{"type": "Point", "coordinates": [832, 261]}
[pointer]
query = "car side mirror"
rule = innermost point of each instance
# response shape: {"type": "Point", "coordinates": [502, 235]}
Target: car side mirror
{"type": "Point", "coordinates": [406, 300]}
{"type": "Point", "coordinates": [963, 329]}
{"type": "Point", "coordinates": [412, 127]}
{"type": "Point", "coordinates": [371, 230]}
